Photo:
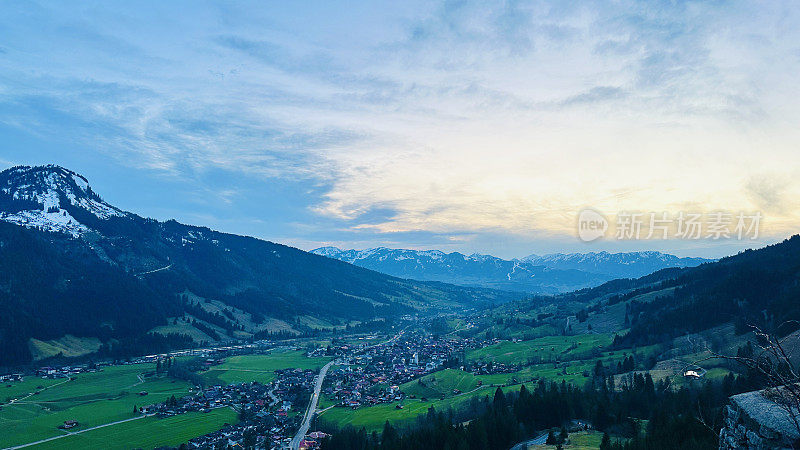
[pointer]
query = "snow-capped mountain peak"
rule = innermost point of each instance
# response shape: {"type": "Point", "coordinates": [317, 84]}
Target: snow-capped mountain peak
{"type": "Point", "coordinates": [330, 252]}
{"type": "Point", "coordinates": [51, 198]}
{"type": "Point", "coordinates": [558, 272]}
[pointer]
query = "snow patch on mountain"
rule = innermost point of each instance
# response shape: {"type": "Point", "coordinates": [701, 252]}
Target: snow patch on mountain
{"type": "Point", "coordinates": [48, 197]}
{"type": "Point", "coordinates": [556, 272]}
{"type": "Point", "coordinates": [58, 221]}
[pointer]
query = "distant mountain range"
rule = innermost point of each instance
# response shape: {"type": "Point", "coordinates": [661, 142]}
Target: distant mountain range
{"type": "Point", "coordinates": [548, 274]}
{"type": "Point", "coordinates": [79, 275]}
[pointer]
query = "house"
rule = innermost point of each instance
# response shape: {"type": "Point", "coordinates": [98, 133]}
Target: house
{"type": "Point", "coordinates": [68, 424]}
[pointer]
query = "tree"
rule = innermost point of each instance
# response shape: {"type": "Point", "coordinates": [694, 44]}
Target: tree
{"type": "Point", "coordinates": [499, 399]}
{"type": "Point", "coordinates": [390, 436]}
{"type": "Point", "coordinates": [605, 443]}
{"type": "Point", "coordinates": [551, 438]}
{"type": "Point", "coordinates": [599, 370]}
{"type": "Point", "coordinates": [562, 438]}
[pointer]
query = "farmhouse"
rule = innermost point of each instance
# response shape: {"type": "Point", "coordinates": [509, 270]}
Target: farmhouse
{"type": "Point", "coordinates": [68, 424]}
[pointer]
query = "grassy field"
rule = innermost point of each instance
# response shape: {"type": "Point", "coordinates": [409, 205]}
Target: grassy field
{"type": "Point", "coordinates": [544, 349]}
{"type": "Point", "coordinates": [149, 432]}
{"type": "Point", "coordinates": [585, 440]}
{"type": "Point", "coordinates": [92, 399]}
{"type": "Point", "coordinates": [261, 368]}
{"type": "Point", "coordinates": [183, 328]}
{"type": "Point", "coordinates": [443, 382]}
{"type": "Point", "coordinates": [29, 385]}
{"type": "Point", "coordinates": [582, 440]}
{"type": "Point", "coordinates": [69, 346]}
{"type": "Point", "coordinates": [372, 418]}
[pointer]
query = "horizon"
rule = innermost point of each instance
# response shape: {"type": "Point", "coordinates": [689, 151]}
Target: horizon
{"type": "Point", "coordinates": [449, 126]}
{"type": "Point", "coordinates": [581, 247]}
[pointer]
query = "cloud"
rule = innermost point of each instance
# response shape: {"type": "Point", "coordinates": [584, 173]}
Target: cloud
{"type": "Point", "coordinates": [595, 94]}
{"type": "Point", "coordinates": [769, 193]}
{"type": "Point", "coordinates": [452, 118]}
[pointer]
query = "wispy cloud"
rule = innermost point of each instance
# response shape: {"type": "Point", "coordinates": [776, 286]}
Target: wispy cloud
{"type": "Point", "coordinates": [451, 118]}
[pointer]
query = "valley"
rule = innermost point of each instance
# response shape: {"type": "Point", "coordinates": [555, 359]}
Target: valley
{"type": "Point", "coordinates": [125, 332]}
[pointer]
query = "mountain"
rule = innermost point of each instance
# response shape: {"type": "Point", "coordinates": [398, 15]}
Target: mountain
{"type": "Point", "coordinates": [549, 274]}
{"type": "Point", "coordinates": [78, 275]}
{"type": "Point", "coordinates": [44, 198]}
{"type": "Point", "coordinates": [753, 288]}
{"type": "Point", "coordinates": [614, 265]}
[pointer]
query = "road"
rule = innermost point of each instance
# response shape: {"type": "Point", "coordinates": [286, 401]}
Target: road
{"type": "Point", "coordinates": [392, 339]}
{"type": "Point", "coordinates": [167, 267]}
{"type": "Point", "coordinates": [312, 408]}
{"type": "Point", "coordinates": [275, 400]}
{"type": "Point", "coordinates": [538, 440]}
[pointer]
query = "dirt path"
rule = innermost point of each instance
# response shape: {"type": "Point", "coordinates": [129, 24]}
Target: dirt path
{"type": "Point", "coordinates": [41, 390]}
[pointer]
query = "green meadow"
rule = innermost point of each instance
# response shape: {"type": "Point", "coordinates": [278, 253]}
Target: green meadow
{"type": "Point", "coordinates": [149, 432]}
{"type": "Point", "coordinates": [372, 418]}
{"type": "Point", "coordinates": [91, 398]}
{"type": "Point", "coordinates": [28, 386]}
{"type": "Point", "coordinates": [261, 368]}
{"type": "Point", "coordinates": [550, 348]}
{"type": "Point", "coordinates": [443, 382]}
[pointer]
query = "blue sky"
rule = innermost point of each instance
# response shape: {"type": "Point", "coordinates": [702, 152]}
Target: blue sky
{"type": "Point", "coordinates": [465, 126]}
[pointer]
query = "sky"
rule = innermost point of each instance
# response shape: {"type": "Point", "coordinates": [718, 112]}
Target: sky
{"type": "Point", "coordinates": [462, 126]}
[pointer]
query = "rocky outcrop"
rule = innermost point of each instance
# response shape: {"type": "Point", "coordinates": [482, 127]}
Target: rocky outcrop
{"type": "Point", "coordinates": [754, 421]}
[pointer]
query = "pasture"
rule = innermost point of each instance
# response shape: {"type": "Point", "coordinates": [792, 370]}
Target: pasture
{"type": "Point", "coordinates": [261, 368]}
{"type": "Point", "coordinates": [373, 417]}
{"type": "Point", "coordinates": [149, 432]}
{"type": "Point", "coordinates": [443, 382]}
{"type": "Point", "coordinates": [91, 398]}
{"type": "Point", "coordinates": [544, 349]}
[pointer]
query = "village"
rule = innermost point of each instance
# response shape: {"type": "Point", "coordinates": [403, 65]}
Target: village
{"type": "Point", "coordinates": [270, 413]}
{"type": "Point", "coordinates": [363, 375]}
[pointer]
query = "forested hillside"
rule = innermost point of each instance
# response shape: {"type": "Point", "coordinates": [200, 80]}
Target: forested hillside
{"type": "Point", "coordinates": [70, 264]}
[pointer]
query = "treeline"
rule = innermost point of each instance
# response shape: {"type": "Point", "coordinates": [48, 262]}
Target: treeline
{"type": "Point", "coordinates": [755, 287]}
{"type": "Point", "coordinates": [145, 344]}
{"type": "Point", "coordinates": [639, 412]}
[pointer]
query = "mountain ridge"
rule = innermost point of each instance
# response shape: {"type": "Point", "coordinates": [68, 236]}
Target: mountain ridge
{"type": "Point", "coordinates": [548, 274]}
{"type": "Point", "coordinates": [81, 267]}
